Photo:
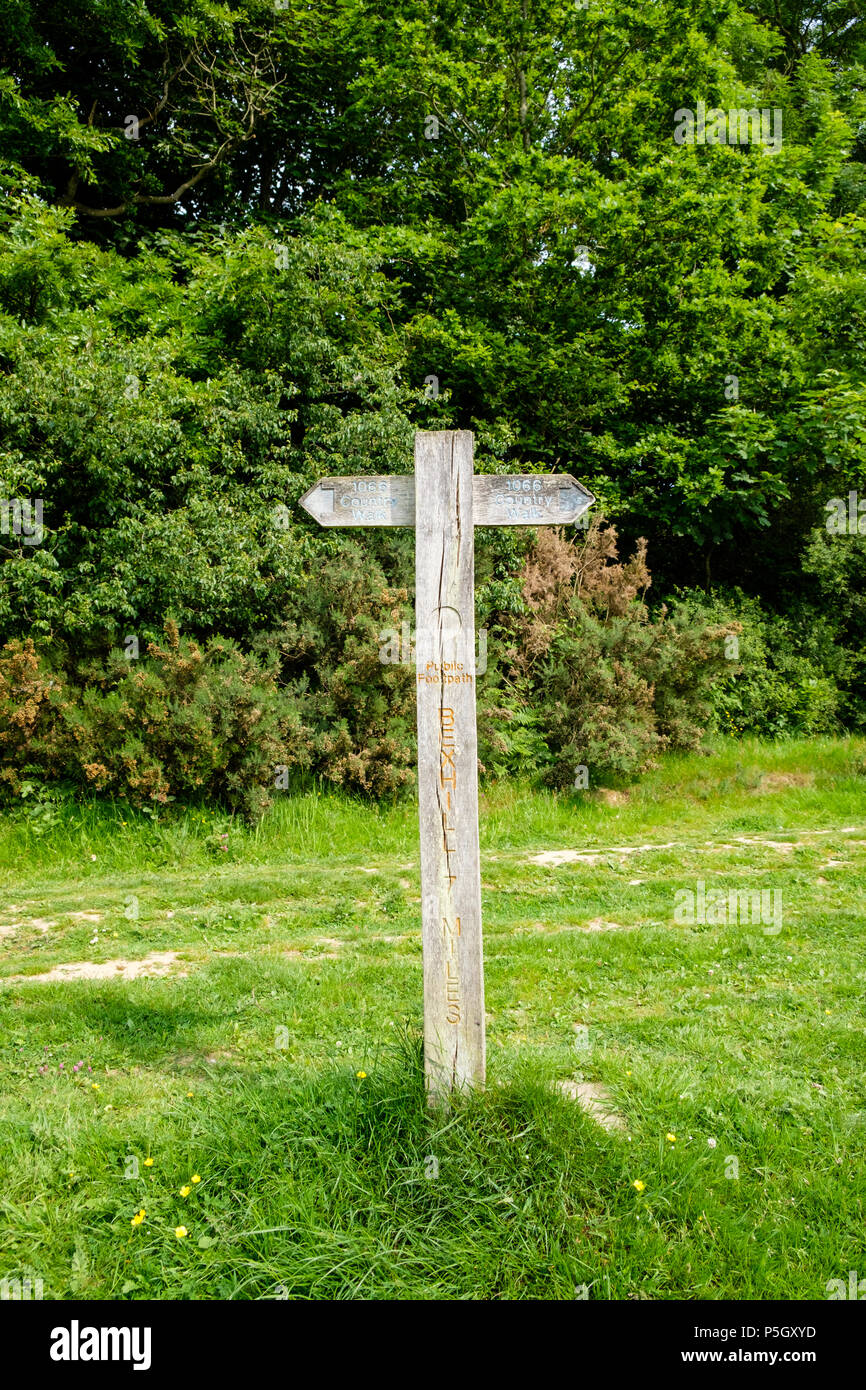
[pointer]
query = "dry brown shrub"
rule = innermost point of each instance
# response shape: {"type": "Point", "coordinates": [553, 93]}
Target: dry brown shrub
{"type": "Point", "coordinates": [559, 569]}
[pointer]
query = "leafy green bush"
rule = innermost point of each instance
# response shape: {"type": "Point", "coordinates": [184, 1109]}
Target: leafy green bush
{"type": "Point", "coordinates": [170, 409]}
{"type": "Point", "coordinates": [837, 566]}
{"type": "Point", "coordinates": [783, 679]}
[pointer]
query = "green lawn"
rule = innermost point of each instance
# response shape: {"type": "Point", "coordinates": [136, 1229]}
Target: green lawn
{"type": "Point", "coordinates": [292, 963]}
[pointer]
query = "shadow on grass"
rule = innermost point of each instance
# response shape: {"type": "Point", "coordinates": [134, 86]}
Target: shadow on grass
{"type": "Point", "coordinates": [141, 1028]}
{"type": "Point", "coordinates": [344, 1186]}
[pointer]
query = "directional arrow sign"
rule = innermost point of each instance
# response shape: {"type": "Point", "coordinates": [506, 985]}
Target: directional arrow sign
{"type": "Point", "coordinates": [444, 502]}
{"type": "Point", "coordinates": [498, 499]}
{"type": "Point", "coordinates": [371, 501]}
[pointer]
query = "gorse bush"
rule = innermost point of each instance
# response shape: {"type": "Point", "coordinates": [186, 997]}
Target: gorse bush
{"type": "Point", "coordinates": [355, 714]}
{"type": "Point", "coordinates": [608, 685]}
{"type": "Point", "coordinates": [186, 720]}
{"type": "Point", "coordinates": [207, 719]}
{"type": "Point", "coordinates": [584, 675]}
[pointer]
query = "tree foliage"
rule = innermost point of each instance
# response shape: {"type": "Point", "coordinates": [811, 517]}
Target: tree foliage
{"type": "Point", "coordinates": [242, 247]}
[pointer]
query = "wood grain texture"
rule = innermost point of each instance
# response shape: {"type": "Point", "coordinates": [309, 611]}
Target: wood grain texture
{"type": "Point", "coordinates": [454, 1045]}
{"type": "Point", "coordinates": [530, 499]}
{"type": "Point", "coordinates": [373, 500]}
{"type": "Point", "coordinates": [508, 499]}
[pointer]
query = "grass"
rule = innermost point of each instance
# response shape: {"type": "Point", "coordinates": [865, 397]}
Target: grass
{"type": "Point", "coordinates": [297, 966]}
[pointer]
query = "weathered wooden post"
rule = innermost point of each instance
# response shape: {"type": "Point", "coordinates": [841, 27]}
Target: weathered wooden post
{"type": "Point", "coordinates": [454, 1049]}
{"type": "Point", "coordinates": [445, 502]}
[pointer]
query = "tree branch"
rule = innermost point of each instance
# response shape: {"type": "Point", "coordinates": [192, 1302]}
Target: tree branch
{"type": "Point", "coordinates": [164, 199]}
{"type": "Point", "coordinates": [244, 80]}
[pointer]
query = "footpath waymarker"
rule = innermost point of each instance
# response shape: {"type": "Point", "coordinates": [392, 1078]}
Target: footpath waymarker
{"type": "Point", "coordinates": [445, 501]}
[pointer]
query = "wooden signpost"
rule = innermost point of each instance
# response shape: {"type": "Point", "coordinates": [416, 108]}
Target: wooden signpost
{"type": "Point", "coordinates": [445, 501]}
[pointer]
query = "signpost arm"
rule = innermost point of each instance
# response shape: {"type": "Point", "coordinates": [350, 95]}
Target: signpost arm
{"type": "Point", "coordinates": [454, 1052]}
{"type": "Point", "coordinates": [445, 502]}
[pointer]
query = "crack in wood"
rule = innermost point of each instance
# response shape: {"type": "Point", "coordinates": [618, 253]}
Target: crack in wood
{"type": "Point", "coordinates": [445, 502]}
